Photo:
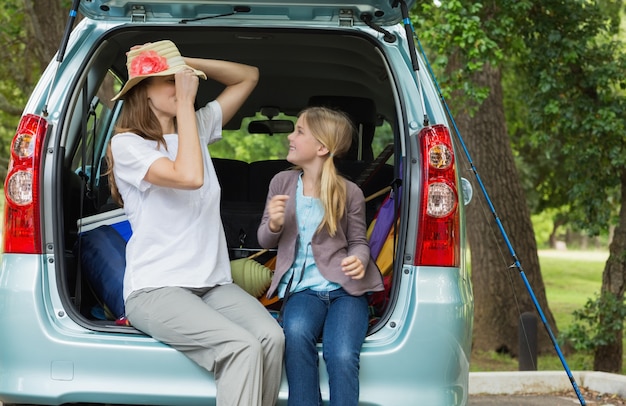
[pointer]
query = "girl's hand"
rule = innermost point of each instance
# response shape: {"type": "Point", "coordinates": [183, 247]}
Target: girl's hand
{"type": "Point", "coordinates": [276, 212]}
{"type": "Point", "coordinates": [353, 267]}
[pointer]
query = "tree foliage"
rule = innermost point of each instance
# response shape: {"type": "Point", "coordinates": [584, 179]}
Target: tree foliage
{"type": "Point", "coordinates": [16, 81]}
{"type": "Point", "coordinates": [480, 39]}
{"type": "Point", "coordinates": [30, 33]}
{"type": "Point", "coordinates": [573, 70]}
{"type": "Point", "coordinates": [588, 332]}
{"type": "Point", "coordinates": [562, 66]}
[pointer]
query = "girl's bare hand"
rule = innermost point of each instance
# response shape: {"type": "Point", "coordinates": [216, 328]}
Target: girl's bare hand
{"type": "Point", "coordinates": [276, 212]}
{"type": "Point", "coordinates": [353, 267]}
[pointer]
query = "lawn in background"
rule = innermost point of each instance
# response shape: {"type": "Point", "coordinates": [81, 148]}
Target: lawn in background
{"type": "Point", "coordinates": [570, 279]}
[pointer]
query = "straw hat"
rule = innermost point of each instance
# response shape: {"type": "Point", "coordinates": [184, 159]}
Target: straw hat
{"type": "Point", "coordinates": [160, 58]}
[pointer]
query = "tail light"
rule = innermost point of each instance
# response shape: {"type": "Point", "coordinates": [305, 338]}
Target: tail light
{"type": "Point", "coordinates": [22, 231]}
{"type": "Point", "coordinates": [438, 243]}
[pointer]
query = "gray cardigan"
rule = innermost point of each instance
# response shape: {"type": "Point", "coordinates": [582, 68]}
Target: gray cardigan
{"type": "Point", "coordinates": [350, 239]}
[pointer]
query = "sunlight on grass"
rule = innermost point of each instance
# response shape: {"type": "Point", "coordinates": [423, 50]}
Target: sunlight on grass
{"type": "Point", "coordinates": [570, 280]}
{"type": "Point", "coordinates": [575, 362]}
{"type": "Point", "coordinates": [492, 361]}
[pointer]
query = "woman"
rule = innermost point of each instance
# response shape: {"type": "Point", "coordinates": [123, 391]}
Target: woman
{"type": "Point", "coordinates": [177, 286]}
{"type": "Point", "coordinates": [323, 271]}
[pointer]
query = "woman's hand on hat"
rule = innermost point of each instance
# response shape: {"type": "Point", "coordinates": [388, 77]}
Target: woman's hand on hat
{"type": "Point", "coordinates": [353, 267]}
{"type": "Point", "coordinates": [186, 85]}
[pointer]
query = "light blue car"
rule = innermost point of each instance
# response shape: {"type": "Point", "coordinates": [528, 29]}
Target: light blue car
{"type": "Point", "coordinates": [62, 340]}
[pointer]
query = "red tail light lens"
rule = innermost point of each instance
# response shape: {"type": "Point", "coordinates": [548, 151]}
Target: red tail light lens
{"type": "Point", "coordinates": [438, 241]}
{"type": "Point", "coordinates": [22, 231]}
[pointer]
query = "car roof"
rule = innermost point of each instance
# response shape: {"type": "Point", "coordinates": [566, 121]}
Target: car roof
{"type": "Point", "coordinates": [383, 12]}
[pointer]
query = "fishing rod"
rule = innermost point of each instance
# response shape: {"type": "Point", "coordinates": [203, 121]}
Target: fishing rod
{"type": "Point", "coordinates": [516, 263]}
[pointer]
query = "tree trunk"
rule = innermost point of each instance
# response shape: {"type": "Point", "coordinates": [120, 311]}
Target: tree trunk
{"type": "Point", "coordinates": [29, 42]}
{"type": "Point", "coordinates": [46, 21]}
{"type": "Point", "coordinates": [31, 34]}
{"type": "Point", "coordinates": [553, 235]}
{"type": "Point", "coordinates": [608, 357]}
{"type": "Point", "coordinates": [500, 294]}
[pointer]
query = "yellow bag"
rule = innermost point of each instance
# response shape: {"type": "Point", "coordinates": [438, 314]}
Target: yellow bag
{"type": "Point", "coordinates": [385, 257]}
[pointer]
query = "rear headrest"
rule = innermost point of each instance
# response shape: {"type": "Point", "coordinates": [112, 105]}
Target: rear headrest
{"type": "Point", "coordinates": [362, 112]}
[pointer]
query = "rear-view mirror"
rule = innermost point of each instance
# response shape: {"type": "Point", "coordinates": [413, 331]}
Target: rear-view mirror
{"type": "Point", "coordinates": [270, 127]}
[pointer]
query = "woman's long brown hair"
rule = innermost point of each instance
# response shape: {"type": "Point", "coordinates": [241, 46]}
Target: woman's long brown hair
{"type": "Point", "coordinates": [136, 117]}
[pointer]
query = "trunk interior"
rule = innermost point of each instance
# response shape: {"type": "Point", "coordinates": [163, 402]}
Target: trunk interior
{"type": "Point", "coordinates": [298, 68]}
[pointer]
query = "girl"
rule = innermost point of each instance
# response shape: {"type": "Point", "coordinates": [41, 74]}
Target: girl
{"type": "Point", "coordinates": [177, 286]}
{"type": "Point", "coordinates": [323, 271]}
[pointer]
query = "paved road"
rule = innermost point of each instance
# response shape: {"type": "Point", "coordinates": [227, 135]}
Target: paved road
{"type": "Point", "coordinates": [519, 400]}
{"type": "Point", "coordinates": [529, 400]}
{"type": "Point", "coordinates": [535, 400]}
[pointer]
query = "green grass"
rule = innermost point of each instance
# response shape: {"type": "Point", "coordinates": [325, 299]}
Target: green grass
{"type": "Point", "coordinates": [570, 279]}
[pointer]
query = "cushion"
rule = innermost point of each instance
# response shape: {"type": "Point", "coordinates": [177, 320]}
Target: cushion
{"type": "Point", "coordinates": [251, 276]}
{"type": "Point", "coordinates": [102, 254]}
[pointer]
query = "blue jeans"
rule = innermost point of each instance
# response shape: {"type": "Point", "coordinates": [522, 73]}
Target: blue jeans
{"type": "Point", "coordinates": [342, 321]}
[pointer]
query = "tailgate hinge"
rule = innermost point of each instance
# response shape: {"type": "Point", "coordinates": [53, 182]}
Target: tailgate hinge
{"type": "Point", "coordinates": [346, 18]}
{"type": "Point", "coordinates": [138, 14]}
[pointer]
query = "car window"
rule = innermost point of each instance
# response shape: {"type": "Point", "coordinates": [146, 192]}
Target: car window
{"type": "Point", "coordinates": [89, 150]}
{"type": "Point", "coordinates": [241, 145]}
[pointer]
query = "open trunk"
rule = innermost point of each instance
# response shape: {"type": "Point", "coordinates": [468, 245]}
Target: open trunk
{"type": "Point", "coordinates": [298, 68]}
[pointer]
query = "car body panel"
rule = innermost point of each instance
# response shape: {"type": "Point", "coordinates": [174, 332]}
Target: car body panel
{"type": "Point", "coordinates": [382, 11]}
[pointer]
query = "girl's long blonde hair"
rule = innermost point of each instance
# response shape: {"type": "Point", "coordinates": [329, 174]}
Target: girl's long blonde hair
{"type": "Point", "coordinates": [334, 130]}
{"type": "Point", "coordinates": [136, 117]}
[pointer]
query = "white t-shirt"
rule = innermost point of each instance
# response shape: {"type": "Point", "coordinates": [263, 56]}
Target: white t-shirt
{"type": "Point", "coordinates": [178, 238]}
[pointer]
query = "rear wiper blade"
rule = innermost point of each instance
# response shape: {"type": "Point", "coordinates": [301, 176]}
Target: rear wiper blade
{"type": "Point", "coordinates": [236, 10]}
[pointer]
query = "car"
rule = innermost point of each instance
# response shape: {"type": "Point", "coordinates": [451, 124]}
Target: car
{"type": "Point", "coordinates": [64, 342]}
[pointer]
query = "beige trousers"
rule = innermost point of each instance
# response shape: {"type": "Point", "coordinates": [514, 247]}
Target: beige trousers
{"type": "Point", "coordinates": [224, 330]}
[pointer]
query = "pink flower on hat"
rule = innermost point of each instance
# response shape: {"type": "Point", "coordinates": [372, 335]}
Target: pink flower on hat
{"type": "Point", "coordinates": [147, 63]}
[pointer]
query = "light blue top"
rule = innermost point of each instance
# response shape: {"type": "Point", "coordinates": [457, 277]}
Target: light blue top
{"type": "Point", "coordinates": [309, 213]}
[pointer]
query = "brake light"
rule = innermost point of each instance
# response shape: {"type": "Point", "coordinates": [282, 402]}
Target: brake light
{"type": "Point", "coordinates": [22, 231]}
{"type": "Point", "coordinates": [438, 242]}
